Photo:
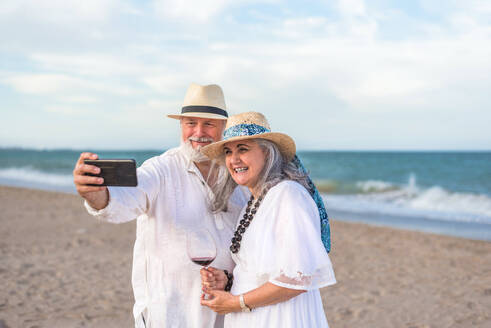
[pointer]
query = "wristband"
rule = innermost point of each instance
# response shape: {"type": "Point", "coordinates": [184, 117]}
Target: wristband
{"type": "Point", "coordinates": [243, 306]}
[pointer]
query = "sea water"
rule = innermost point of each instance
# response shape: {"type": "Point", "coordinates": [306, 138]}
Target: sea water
{"type": "Point", "coordinates": [442, 192]}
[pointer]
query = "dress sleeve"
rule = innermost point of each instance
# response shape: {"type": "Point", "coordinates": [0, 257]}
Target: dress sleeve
{"type": "Point", "coordinates": [293, 255]}
{"type": "Point", "coordinates": [128, 203]}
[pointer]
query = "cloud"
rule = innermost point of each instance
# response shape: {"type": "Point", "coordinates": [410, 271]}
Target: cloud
{"type": "Point", "coordinates": [79, 99]}
{"type": "Point", "coordinates": [89, 64]}
{"type": "Point", "coordinates": [352, 8]}
{"type": "Point", "coordinates": [61, 11]}
{"type": "Point", "coordinates": [62, 85]}
{"type": "Point", "coordinates": [197, 11]}
{"type": "Point", "coordinates": [294, 28]}
{"type": "Point", "coordinates": [67, 110]}
{"type": "Point", "coordinates": [356, 66]}
{"type": "Point", "coordinates": [42, 83]}
{"type": "Point", "coordinates": [166, 83]}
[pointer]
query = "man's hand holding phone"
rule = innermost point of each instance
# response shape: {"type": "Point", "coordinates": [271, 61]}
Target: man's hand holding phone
{"type": "Point", "coordinates": [89, 187]}
{"type": "Point", "coordinates": [91, 176]}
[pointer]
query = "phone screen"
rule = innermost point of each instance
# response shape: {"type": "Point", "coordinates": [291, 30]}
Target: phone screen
{"type": "Point", "coordinates": [116, 172]}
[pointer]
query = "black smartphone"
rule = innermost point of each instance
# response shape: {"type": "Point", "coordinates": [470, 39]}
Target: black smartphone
{"type": "Point", "coordinates": [116, 172]}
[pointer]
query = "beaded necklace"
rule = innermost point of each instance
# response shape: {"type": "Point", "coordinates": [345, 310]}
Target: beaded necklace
{"type": "Point", "coordinates": [246, 221]}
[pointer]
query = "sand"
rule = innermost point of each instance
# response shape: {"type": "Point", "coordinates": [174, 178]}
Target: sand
{"type": "Point", "coordinates": [59, 267]}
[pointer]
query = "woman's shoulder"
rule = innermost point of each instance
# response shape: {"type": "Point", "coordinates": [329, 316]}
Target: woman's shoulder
{"type": "Point", "coordinates": [293, 203]}
{"type": "Point", "coordinates": [289, 187]}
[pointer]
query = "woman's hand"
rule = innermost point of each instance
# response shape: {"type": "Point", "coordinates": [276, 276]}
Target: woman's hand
{"type": "Point", "coordinates": [221, 302]}
{"type": "Point", "coordinates": [213, 278]}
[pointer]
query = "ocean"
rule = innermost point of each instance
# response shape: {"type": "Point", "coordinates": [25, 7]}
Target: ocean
{"type": "Point", "coordinates": [440, 192]}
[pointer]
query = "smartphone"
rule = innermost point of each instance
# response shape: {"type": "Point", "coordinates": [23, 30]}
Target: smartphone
{"type": "Point", "coordinates": [116, 172]}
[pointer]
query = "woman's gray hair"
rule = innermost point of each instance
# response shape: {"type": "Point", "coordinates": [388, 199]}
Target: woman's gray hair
{"type": "Point", "coordinates": [275, 170]}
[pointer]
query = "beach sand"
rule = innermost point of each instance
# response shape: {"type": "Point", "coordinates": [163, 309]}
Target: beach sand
{"type": "Point", "coordinates": [59, 267]}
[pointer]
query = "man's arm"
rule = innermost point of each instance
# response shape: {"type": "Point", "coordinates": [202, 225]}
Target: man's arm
{"type": "Point", "coordinates": [96, 196]}
{"type": "Point", "coordinates": [118, 204]}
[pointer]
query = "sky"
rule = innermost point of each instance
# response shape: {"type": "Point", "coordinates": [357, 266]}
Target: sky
{"type": "Point", "coordinates": [334, 75]}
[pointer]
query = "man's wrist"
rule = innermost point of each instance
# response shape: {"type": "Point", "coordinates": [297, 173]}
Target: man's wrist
{"type": "Point", "coordinates": [97, 201]}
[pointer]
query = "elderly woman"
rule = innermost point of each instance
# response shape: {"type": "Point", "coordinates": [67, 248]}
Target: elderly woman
{"type": "Point", "coordinates": [281, 261]}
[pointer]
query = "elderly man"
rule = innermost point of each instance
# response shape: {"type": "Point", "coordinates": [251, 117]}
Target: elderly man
{"type": "Point", "coordinates": [171, 199]}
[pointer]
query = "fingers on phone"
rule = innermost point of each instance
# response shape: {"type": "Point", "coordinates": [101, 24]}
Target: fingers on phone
{"type": "Point", "coordinates": [82, 169]}
{"type": "Point", "coordinates": [86, 155]}
{"type": "Point", "coordinates": [86, 168]}
{"type": "Point", "coordinates": [94, 180]}
{"type": "Point", "coordinates": [87, 180]}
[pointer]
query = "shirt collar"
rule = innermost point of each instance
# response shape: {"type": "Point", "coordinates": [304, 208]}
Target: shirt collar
{"type": "Point", "coordinates": [187, 161]}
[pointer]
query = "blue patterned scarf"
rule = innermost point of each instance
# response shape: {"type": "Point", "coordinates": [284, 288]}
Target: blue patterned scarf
{"type": "Point", "coordinates": [325, 228]}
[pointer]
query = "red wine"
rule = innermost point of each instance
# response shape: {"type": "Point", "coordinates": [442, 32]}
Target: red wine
{"type": "Point", "coordinates": [204, 261]}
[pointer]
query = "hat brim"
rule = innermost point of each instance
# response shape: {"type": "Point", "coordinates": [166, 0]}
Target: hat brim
{"type": "Point", "coordinates": [284, 142]}
{"type": "Point", "coordinates": [199, 115]}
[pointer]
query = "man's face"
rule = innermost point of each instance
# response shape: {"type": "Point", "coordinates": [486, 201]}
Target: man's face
{"type": "Point", "coordinates": [201, 131]}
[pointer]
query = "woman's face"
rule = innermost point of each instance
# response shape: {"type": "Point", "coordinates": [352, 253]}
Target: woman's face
{"type": "Point", "coordinates": [244, 160]}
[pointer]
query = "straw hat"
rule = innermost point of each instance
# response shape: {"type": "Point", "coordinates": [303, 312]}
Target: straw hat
{"type": "Point", "coordinates": [250, 125]}
{"type": "Point", "coordinates": [204, 101]}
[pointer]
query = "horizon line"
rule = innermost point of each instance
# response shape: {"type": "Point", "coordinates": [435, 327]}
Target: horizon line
{"type": "Point", "coordinates": [298, 150]}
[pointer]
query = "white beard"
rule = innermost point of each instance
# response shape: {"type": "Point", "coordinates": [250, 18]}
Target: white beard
{"type": "Point", "coordinates": [193, 154]}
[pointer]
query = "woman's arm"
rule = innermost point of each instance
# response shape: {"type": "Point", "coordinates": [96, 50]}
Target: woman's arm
{"type": "Point", "coordinates": [267, 294]}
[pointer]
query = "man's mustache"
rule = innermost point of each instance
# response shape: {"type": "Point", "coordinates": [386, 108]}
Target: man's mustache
{"type": "Point", "coordinates": [196, 139]}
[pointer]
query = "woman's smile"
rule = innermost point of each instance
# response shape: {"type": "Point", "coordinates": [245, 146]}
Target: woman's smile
{"type": "Point", "coordinates": [245, 160]}
{"type": "Point", "coordinates": [240, 169]}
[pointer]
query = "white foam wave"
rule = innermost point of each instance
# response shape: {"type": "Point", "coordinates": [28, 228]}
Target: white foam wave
{"type": "Point", "coordinates": [380, 186]}
{"type": "Point", "coordinates": [411, 200]}
{"type": "Point", "coordinates": [374, 186]}
{"type": "Point", "coordinates": [30, 175]}
{"type": "Point", "coordinates": [439, 199]}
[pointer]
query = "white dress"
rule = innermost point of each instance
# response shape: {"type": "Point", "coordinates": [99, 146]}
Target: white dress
{"type": "Point", "coordinates": [283, 246]}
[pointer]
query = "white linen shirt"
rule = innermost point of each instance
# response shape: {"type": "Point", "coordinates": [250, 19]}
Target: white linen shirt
{"type": "Point", "coordinates": [171, 198]}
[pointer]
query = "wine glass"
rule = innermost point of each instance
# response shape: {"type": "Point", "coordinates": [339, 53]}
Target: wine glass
{"type": "Point", "coordinates": [201, 247]}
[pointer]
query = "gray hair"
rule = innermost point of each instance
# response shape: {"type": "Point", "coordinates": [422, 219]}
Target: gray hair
{"type": "Point", "coordinates": [275, 170]}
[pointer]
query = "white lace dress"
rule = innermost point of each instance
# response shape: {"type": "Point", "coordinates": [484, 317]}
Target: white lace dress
{"type": "Point", "coordinates": [283, 246]}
